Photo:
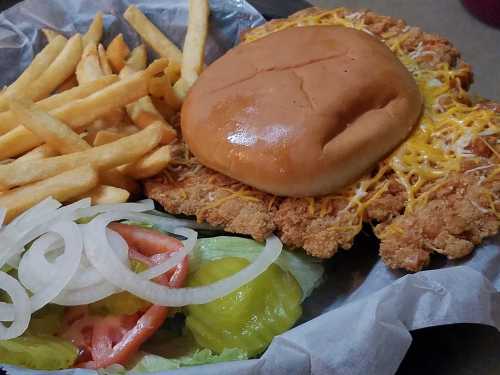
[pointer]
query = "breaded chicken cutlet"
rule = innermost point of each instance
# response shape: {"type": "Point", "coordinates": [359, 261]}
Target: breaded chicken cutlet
{"type": "Point", "coordinates": [437, 192]}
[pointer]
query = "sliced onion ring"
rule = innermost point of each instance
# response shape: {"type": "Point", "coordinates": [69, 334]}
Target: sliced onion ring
{"type": "Point", "coordinates": [67, 263]}
{"type": "Point", "coordinates": [103, 258]}
{"type": "Point", "coordinates": [87, 295]}
{"type": "Point", "coordinates": [145, 205]}
{"type": "Point", "coordinates": [20, 304]}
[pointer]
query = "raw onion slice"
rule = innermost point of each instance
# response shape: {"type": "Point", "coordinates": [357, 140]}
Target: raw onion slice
{"type": "Point", "coordinates": [67, 263]}
{"type": "Point", "coordinates": [88, 275]}
{"type": "Point", "coordinates": [145, 205]}
{"type": "Point", "coordinates": [104, 259]}
{"type": "Point", "coordinates": [35, 271]}
{"type": "Point", "coordinates": [20, 305]}
{"type": "Point", "coordinates": [6, 312]}
{"type": "Point", "coordinates": [176, 258]}
{"type": "Point", "coordinates": [167, 223]}
{"type": "Point", "coordinates": [87, 295]}
{"type": "Point", "coordinates": [27, 228]}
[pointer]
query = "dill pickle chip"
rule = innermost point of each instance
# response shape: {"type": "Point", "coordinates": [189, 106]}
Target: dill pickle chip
{"type": "Point", "coordinates": [251, 316]}
{"type": "Point", "coordinates": [38, 352]}
{"type": "Point", "coordinates": [123, 303]}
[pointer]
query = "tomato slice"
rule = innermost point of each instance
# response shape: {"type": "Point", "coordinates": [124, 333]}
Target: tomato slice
{"type": "Point", "coordinates": [105, 341]}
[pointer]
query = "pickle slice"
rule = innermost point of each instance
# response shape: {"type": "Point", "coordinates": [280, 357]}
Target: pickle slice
{"type": "Point", "coordinates": [251, 316]}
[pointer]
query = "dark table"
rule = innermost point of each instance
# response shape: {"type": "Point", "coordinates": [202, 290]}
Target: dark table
{"type": "Point", "coordinates": [459, 349]}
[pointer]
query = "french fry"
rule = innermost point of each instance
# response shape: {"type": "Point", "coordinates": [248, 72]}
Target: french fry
{"type": "Point", "coordinates": [106, 195]}
{"type": "Point", "coordinates": [173, 72]}
{"type": "Point", "coordinates": [194, 44]}
{"type": "Point", "coordinates": [70, 83]}
{"type": "Point", "coordinates": [89, 67]}
{"type": "Point", "coordinates": [117, 53]}
{"type": "Point", "coordinates": [53, 132]}
{"type": "Point", "coordinates": [143, 113]}
{"type": "Point", "coordinates": [40, 152]}
{"type": "Point", "coordinates": [62, 187]}
{"type": "Point", "coordinates": [160, 87]}
{"type": "Point", "coordinates": [152, 35]}
{"type": "Point", "coordinates": [61, 68]}
{"type": "Point", "coordinates": [61, 139]}
{"type": "Point", "coordinates": [162, 108]}
{"type": "Point", "coordinates": [138, 58]}
{"type": "Point", "coordinates": [111, 155]}
{"type": "Point", "coordinates": [94, 33]}
{"type": "Point", "coordinates": [149, 165]}
{"type": "Point", "coordinates": [113, 177]}
{"type": "Point", "coordinates": [79, 113]}
{"type": "Point", "coordinates": [50, 34]}
{"type": "Point", "coordinates": [181, 89]}
{"type": "Point", "coordinates": [105, 136]}
{"type": "Point", "coordinates": [35, 69]}
{"type": "Point", "coordinates": [103, 60]}
{"type": "Point", "coordinates": [8, 121]}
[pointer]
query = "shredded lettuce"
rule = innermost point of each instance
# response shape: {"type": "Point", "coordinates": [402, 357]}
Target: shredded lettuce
{"type": "Point", "coordinates": [306, 270]}
{"type": "Point", "coordinates": [154, 363]}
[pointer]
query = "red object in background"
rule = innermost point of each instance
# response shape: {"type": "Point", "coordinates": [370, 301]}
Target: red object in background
{"type": "Point", "coordinates": [486, 10]}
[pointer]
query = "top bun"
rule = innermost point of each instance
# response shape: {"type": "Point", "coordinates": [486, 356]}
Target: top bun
{"type": "Point", "coordinates": [302, 112]}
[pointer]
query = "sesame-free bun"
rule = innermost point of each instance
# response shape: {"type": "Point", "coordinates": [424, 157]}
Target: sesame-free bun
{"type": "Point", "coordinates": [302, 112]}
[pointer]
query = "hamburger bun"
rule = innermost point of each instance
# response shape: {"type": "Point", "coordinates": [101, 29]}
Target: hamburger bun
{"type": "Point", "coordinates": [301, 112]}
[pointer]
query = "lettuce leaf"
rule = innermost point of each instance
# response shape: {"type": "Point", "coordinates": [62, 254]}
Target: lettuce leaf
{"type": "Point", "coordinates": [306, 270]}
{"type": "Point", "coordinates": [154, 363]}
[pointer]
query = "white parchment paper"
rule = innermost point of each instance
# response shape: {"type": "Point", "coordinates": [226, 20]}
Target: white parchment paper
{"type": "Point", "coordinates": [358, 321]}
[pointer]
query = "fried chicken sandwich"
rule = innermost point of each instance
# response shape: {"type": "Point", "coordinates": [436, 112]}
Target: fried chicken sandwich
{"type": "Point", "coordinates": [322, 122]}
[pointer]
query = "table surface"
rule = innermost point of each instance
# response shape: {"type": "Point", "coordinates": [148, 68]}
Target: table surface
{"type": "Point", "coordinates": [460, 349]}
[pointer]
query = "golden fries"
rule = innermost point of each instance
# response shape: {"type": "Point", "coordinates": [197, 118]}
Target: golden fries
{"type": "Point", "coordinates": [52, 131]}
{"type": "Point", "coordinates": [89, 67]}
{"type": "Point", "coordinates": [149, 165]}
{"type": "Point", "coordinates": [62, 187]}
{"type": "Point", "coordinates": [113, 177]}
{"type": "Point", "coordinates": [194, 44]}
{"type": "Point", "coordinates": [173, 72]}
{"type": "Point", "coordinates": [106, 195]}
{"type": "Point", "coordinates": [160, 87]}
{"type": "Point", "coordinates": [70, 83]}
{"type": "Point", "coordinates": [105, 136]}
{"type": "Point", "coordinates": [50, 34]}
{"type": "Point", "coordinates": [8, 121]}
{"type": "Point", "coordinates": [117, 53]}
{"type": "Point", "coordinates": [55, 159]}
{"type": "Point", "coordinates": [78, 113]}
{"type": "Point", "coordinates": [94, 33]}
{"type": "Point", "coordinates": [123, 151]}
{"type": "Point", "coordinates": [144, 113]}
{"type": "Point", "coordinates": [103, 60]}
{"type": "Point", "coordinates": [138, 58]}
{"type": "Point", "coordinates": [152, 35]}
{"type": "Point", "coordinates": [60, 69]}
{"type": "Point", "coordinates": [37, 67]}
{"type": "Point", "coordinates": [40, 152]}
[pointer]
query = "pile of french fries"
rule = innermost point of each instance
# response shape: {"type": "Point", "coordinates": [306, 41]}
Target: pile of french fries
{"type": "Point", "coordinates": [84, 120]}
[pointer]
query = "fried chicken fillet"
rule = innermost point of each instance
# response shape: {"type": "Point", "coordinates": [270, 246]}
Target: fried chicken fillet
{"type": "Point", "coordinates": [438, 192]}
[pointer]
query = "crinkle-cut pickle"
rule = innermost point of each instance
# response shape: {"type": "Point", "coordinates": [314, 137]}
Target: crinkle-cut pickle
{"type": "Point", "coordinates": [38, 352]}
{"type": "Point", "coordinates": [249, 317]}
